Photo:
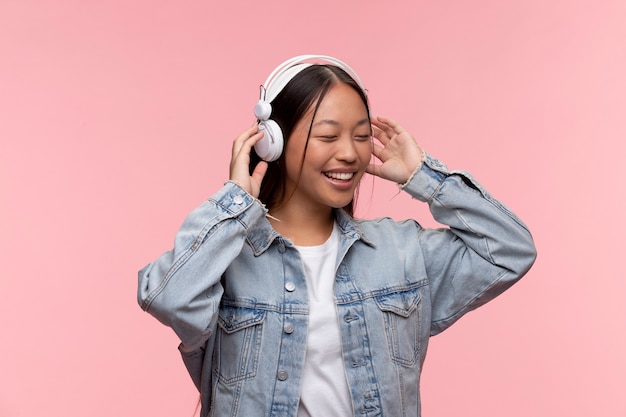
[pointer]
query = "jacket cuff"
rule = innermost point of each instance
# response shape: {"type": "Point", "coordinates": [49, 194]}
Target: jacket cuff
{"type": "Point", "coordinates": [426, 180]}
{"type": "Point", "coordinates": [238, 203]}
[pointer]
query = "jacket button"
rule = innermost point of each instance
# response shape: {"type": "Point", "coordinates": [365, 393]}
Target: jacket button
{"type": "Point", "coordinates": [290, 286]}
{"type": "Point", "coordinates": [282, 375]}
{"type": "Point", "coordinates": [288, 328]}
{"type": "Point", "coordinates": [281, 247]}
{"type": "Point", "coordinates": [238, 199]}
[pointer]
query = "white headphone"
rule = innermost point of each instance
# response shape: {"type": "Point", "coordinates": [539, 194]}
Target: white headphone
{"type": "Point", "coordinates": [270, 147]}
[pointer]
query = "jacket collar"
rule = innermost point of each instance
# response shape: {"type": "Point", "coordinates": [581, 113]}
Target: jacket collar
{"type": "Point", "coordinates": [261, 234]}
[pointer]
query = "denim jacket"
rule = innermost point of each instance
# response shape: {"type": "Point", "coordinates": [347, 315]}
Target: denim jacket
{"type": "Point", "coordinates": [234, 291]}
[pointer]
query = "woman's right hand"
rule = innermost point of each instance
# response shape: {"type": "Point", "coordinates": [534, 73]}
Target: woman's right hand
{"type": "Point", "coordinates": [240, 162]}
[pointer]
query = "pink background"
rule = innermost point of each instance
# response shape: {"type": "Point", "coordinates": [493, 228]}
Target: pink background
{"type": "Point", "coordinates": [116, 119]}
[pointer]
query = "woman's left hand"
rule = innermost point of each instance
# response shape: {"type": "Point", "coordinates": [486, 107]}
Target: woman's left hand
{"type": "Point", "coordinates": [400, 154]}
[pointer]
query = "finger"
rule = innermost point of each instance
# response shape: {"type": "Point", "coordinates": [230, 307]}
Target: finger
{"type": "Point", "coordinates": [243, 145]}
{"type": "Point", "coordinates": [379, 134]}
{"type": "Point", "coordinates": [373, 169]}
{"type": "Point", "coordinates": [391, 125]}
{"type": "Point", "coordinates": [240, 160]}
{"type": "Point", "coordinates": [245, 135]}
{"type": "Point", "coordinates": [380, 121]}
{"type": "Point", "coordinates": [259, 172]}
{"type": "Point", "coordinates": [378, 151]}
{"type": "Point", "coordinates": [384, 127]}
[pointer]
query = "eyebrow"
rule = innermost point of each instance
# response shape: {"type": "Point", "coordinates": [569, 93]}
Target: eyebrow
{"type": "Point", "coordinates": [336, 123]}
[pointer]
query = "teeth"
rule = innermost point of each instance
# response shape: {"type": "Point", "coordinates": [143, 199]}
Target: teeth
{"type": "Point", "coordinates": [343, 176]}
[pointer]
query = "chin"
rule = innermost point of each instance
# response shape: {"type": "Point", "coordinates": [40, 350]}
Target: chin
{"type": "Point", "coordinates": [339, 204]}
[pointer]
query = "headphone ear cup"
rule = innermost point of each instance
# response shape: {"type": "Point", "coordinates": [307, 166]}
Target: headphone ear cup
{"type": "Point", "coordinates": [270, 147]}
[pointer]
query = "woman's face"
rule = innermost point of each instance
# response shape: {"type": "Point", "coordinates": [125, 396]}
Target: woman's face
{"type": "Point", "coordinates": [337, 155]}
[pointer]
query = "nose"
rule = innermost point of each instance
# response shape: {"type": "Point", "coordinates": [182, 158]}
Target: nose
{"type": "Point", "coordinates": [346, 150]}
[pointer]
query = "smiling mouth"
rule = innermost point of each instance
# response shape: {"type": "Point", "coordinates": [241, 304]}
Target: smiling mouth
{"type": "Point", "coordinates": [340, 176]}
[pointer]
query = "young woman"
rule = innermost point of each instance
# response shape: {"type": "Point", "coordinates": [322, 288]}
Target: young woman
{"type": "Point", "coordinates": [285, 304]}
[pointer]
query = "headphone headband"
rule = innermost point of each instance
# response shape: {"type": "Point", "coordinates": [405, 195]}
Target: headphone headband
{"type": "Point", "coordinates": [282, 74]}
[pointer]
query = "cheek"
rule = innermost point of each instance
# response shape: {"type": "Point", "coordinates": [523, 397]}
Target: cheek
{"type": "Point", "coordinates": [364, 150]}
{"type": "Point", "coordinates": [294, 153]}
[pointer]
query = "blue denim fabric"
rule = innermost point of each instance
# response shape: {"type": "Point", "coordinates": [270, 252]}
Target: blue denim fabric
{"type": "Point", "coordinates": [234, 291]}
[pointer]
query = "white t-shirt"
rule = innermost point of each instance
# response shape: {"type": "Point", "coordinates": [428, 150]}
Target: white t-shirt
{"type": "Point", "coordinates": [325, 391]}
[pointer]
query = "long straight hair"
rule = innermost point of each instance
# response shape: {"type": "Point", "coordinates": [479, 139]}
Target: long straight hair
{"type": "Point", "coordinates": [290, 105]}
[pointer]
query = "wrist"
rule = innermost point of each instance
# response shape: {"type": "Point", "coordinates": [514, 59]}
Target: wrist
{"type": "Point", "coordinates": [417, 168]}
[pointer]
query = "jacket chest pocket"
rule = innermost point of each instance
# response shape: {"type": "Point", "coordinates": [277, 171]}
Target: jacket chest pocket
{"type": "Point", "coordinates": [402, 313]}
{"type": "Point", "coordinates": [238, 343]}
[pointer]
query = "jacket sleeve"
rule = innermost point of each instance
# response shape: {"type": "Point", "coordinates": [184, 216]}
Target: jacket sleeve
{"type": "Point", "coordinates": [485, 250]}
{"type": "Point", "coordinates": [182, 287]}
